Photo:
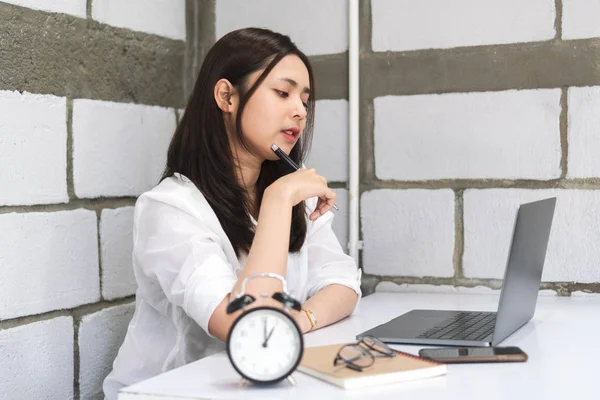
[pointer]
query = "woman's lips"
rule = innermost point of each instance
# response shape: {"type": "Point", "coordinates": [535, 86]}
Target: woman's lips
{"type": "Point", "coordinates": [289, 137]}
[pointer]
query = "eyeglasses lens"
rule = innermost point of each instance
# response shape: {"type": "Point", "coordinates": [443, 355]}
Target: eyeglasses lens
{"type": "Point", "coordinates": [377, 345]}
{"type": "Point", "coordinates": [356, 355]}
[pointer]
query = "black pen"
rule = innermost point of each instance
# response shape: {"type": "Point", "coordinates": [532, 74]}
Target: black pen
{"type": "Point", "coordinates": [284, 157]}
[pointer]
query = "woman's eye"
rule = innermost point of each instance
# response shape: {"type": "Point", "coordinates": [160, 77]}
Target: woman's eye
{"type": "Point", "coordinates": [282, 93]}
{"type": "Point", "coordinates": [305, 106]}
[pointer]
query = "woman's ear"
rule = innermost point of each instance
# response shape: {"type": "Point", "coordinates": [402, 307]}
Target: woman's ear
{"type": "Point", "coordinates": [225, 96]}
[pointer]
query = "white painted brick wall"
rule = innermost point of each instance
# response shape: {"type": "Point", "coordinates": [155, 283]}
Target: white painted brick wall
{"type": "Point", "coordinates": [400, 25]}
{"type": "Point", "coordinates": [584, 132]}
{"type": "Point", "coordinates": [37, 360]}
{"type": "Point", "coordinates": [116, 237]}
{"type": "Point", "coordinates": [73, 7]}
{"type": "Point", "coordinates": [316, 26]}
{"type": "Point", "coordinates": [573, 254]}
{"type": "Point", "coordinates": [48, 261]}
{"type": "Point", "coordinates": [33, 149]}
{"type": "Point", "coordinates": [119, 149]}
{"type": "Point", "coordinates": [580, 19]}
{"type": "Point", "coordinates": [408, 232]}
{"type": "Point", "coordinates": [159, 17]}
{"type": "Point", "coordinates": [340, 220]}
{"type": "Point", "coordinates": [100, 337]}
{"type": "Point", "coordinates": [329, 152]}
{"type": "Point", "coordinates": [510, 134]}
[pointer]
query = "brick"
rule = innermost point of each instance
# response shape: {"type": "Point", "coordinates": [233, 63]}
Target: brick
{"type": "Point", "coordinates": [159, 17]}
{"type": "Point", "coordinates": [400, 25]}
{"type": "Point", "coordinates": [116, 240]}
{"type": "Point", "coordinates": [100, 337]}
{"type": "Point", "coordinates": [119, 149]}
{"type": "Point", "coordinates": [573, 254]}
{"type": "Point", "coordinates": [329, 151]}
{"type": "Point", "coordinates": [48, 261]}
{"type": "Point", "coordinates": [317, 27]}
{"type": "Point", "coordinates": [340, 219]}
{"type": "Point", "coordinates": [408, 232]}
{"type": "Point", "coordinates": [510, 134]}
{"type": "Point", "coordinates": [37, 360]}
{"type": "Point", "coordinates": [580, 19]}
{"type": "Point", "coordinates": [72, 7]}
{"type": "Point", "coordinates": [584, 132]}
{"type": "Point", "coordinates": [33, 149]}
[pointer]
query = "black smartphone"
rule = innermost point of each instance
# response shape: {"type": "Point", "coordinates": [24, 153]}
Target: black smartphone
{"type": "Point", "coordinates": [455, 355]}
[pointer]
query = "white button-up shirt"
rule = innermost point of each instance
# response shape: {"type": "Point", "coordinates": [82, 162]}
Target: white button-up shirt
{"type": "Point", "coordinates": [185, 265]}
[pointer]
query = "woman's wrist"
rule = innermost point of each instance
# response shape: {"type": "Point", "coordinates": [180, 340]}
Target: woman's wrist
{"type": "Point", "coordinates": [302, 321]}
{"type": "Point", "coordinates": [278, 194]}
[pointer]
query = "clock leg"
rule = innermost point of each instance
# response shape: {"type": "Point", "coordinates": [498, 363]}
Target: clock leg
{"type": "Point", "coordinates": [244, 382]}
{"type": "Point", "coordinates": [291, 380]}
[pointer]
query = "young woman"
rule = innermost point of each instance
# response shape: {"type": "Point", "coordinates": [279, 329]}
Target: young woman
{"type": "Point", "coordinates": [228, 208]}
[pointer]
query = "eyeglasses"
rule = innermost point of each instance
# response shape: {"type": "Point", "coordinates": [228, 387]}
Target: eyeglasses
{"type": "Point", "coordinates": [360, 355]}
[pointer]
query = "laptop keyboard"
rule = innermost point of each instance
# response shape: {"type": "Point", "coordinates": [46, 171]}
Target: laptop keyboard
{"type": "Point", "coordinates": [468, 325]}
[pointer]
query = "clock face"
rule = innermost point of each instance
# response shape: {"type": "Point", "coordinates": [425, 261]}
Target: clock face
{"type": "Point", "coordinates": [265, 345]}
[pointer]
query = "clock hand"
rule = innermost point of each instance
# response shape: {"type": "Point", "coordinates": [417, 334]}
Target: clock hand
{"type": "Point", "coordinates": [269, 336]}
{"type": "Point", "coordinates": [265, 330]}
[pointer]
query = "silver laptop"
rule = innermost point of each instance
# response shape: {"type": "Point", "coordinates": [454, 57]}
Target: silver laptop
{"type": "Point", "coordinates": [518, 297]}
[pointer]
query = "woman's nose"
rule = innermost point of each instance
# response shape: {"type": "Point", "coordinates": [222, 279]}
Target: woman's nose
{"type": "Point", "coordinates": [299, 109]}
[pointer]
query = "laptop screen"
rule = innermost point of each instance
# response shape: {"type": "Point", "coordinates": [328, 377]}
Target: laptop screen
{"type": "Point", "coordinates": [524, 267]}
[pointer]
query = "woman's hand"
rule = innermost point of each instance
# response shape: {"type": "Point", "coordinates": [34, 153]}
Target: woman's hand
{"type": "Point", "coordinates": [302, 185]}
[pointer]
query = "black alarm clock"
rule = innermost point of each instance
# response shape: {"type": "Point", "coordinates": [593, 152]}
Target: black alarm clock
{"type": "Point", "coordinates": [265, 344]}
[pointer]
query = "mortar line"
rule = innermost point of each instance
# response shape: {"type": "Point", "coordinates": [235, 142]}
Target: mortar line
{"type": "Point", "coordinates": [78, 311]}
{"type": "Point", "coordinates": [86, 204]}
{"type": "Point", "coordinates": [368, 172]}
{"type": "Point", "coordinates": [366, 27]}
{"type": "Point", "coordinates": [338, 185]}
{"type": "Point", "coordinates": [368, 283]}
{"type": "Point", "coordinates": [559, 183]}
{"type": "Point", "coordinates": [479, 69]}
{"type": "Point", "coordinates": [99, 244]}
{"type": "Point", "coordinates": [366, 184]}
{"type": "Point", "coordinates": [76, 359]}
{"type": "Point", "coordinates": [558, 21]}
{"type": "Point", "coordinates": [366, 160]}
{"type": "Point", "coordinates": [564, 133]}
{"type": "Point", "coordinates": [459, 234]}
{"type": "Point", "coordinates": [70, 173]}
{"type": "Point", "coordinates": [561, 288]}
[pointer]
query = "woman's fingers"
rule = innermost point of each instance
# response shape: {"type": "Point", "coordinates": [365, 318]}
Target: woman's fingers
{"type": "Point", "coordinates": [306, 183]}
{"type": "Point", "coordinates": [324, 204]}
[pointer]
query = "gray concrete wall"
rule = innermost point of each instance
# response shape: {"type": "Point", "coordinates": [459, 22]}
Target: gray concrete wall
{"type": "Point", "coordinates": [89, 98]}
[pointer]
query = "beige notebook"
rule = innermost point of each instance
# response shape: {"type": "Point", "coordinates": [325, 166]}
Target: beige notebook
{"type": "Point", "coordinates": [318, 362]}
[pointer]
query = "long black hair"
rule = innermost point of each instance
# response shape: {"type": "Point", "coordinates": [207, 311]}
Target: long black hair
{"type": "Point", "coordinates": [200, 147]}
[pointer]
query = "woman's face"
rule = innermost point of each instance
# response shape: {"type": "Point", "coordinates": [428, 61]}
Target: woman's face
{"type": "Point", "coordinates": [276, 111]}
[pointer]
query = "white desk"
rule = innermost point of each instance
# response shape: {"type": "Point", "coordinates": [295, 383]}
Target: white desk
{"type": "Point", "coordinates": [562, 341]}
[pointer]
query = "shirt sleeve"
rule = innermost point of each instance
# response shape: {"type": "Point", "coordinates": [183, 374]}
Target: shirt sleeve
{"type": "Point", "coordinates": [327, 262]}
{"type": "Point", "coordinates": [180, 256]}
